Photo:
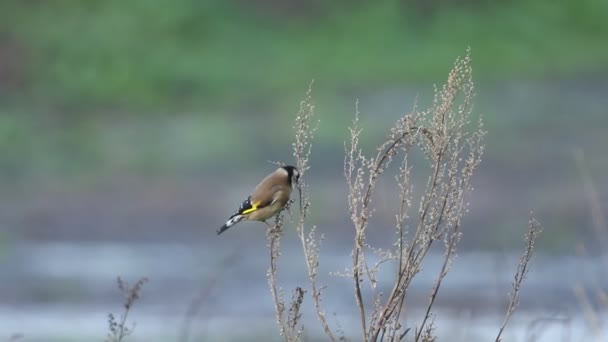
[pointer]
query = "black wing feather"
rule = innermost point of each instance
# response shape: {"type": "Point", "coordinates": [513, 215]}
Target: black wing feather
{"type": "Point", "coordinates": [246, 205]}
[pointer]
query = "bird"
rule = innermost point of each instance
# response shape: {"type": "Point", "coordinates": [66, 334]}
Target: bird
{"type": "Point", "coordinates": [268, 198]}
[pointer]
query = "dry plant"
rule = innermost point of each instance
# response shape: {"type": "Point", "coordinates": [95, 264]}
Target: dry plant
{"type": "Point", "coordinates": [273, 234]}
{"type": "Point", "coordinates": [452, 146]}
{"type": "Point", "coordinates": [289, 326]}
{"type": "Point", "coordinates": [452, 153]}
{"type": "Point", "coordinates": [305, 128]}
{"type": "Point", "coordinates": [289, 323]}
{"type": "Point", "coordinates": [118, 328]}
{"type": "Point", "coordinates": [520, 274]}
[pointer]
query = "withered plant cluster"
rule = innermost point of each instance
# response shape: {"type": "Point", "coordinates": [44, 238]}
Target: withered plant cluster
{"type": "Point", "coordinates": [118, 328]}
{"type": "Point", "coordinates": [452, 145]}
{"type": "Point", "coordinates": [452, 154]}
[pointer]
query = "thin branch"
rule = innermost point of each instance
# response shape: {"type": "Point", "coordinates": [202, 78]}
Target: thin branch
{"type": "Point", "coordinates": [119, 329]}
{"type": "Point", "coordinates": [274, 240]}
{"type": "Point", "coordinates": [304, 133]}
{"type": "Point", "coordinates": [520, 274]}
{"type": "Point", "coordinates": [435, 291]}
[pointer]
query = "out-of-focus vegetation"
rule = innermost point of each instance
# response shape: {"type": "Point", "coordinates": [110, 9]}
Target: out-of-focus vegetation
{"type": "Point", "coordinates": [76, 78]}
{"type": "Point", "coordinates": [145, 55]}
{"type": "Point", "coordinates": [94, 89]}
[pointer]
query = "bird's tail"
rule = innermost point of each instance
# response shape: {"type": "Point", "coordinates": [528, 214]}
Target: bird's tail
{"type": "Point", "coordinates": [231, 222]}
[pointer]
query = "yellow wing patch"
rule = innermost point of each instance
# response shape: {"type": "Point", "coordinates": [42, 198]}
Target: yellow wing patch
{"type": "Point", "coordinates": [254, 207]}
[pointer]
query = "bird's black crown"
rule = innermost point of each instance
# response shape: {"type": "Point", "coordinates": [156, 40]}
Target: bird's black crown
{"type": "Point", "coordinates": [292, 173]}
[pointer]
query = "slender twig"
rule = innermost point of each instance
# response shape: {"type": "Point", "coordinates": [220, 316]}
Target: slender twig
{"type": "Point", "coordinates": [274, 239]}
{"type": "Point", "coordinates": [435, 291]}
{"type": "Point", "coordinates": [520, 274]}
{"type": "Point", "coordinates": [119, 329]}
{"type": "Point", "coordinates": [402, 282]}
{"type": "Point", "coordinates": [304, 133]}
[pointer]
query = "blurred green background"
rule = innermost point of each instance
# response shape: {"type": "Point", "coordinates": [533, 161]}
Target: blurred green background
{"type": "Point", "coordinates": [148, 121]}
{"type": "Point", "coordinates": [208, 70]}
{"type": "Point", "coordinates": [93, 92]}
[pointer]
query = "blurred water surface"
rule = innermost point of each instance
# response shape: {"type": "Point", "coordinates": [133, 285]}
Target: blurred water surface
{"type": "Point", "coordinates": [64, 291]}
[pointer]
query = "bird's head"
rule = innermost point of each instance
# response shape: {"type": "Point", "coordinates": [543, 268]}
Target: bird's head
{"type": "Point", "coordinates": [292, 173]}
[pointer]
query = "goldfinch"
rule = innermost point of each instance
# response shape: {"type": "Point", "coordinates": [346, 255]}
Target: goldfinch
{"type": "Point", "coordinates": [268, 198]}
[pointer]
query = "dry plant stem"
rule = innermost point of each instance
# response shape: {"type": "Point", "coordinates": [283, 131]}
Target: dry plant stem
{"type": "Point", "coordinates": [405, 274]}
{"type": "Point", "coordinates": [361, 207]}
{"type": "Point", "coordinates": [293, 318]}
{"type": "Point", "coordinates": [398, 293]}
{"type": "Point", "coordinates": [119, 330]}
{"type": "Point", "coordinates": [311, 257]}
{"type": "Point", "coordinates": [435, 291]}
{"type": "Point", "coordinates": [274, 240]}
{"type": "Point", "coordinates": [403, 179]}
{"type": "Point", "coordinates": [451, 241]}
{"type": "Point", "coordinates": [355, 184]}
{"type": "Point", "coordinates": [453, 154]}
{"type": "Point", "coordinates": [521, 273]}
{"type": "Point", "coordinates": [428, 333]}
{"type": "Point", "coordinates": [305, 129]}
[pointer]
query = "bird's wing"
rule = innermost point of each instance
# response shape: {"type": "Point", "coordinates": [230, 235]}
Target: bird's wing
{"type": "Point", "coordinates": [248, 206]}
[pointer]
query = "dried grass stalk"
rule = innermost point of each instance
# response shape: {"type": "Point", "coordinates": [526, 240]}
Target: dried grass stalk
{"type": "Point", "coordinates": [118, 328]}
{"type": "Point", "coordinates": [520, 274]}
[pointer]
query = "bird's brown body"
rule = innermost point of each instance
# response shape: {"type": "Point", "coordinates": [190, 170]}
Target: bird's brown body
{"type": "Point", "coordinates": [271, 189]}
{"type": "Point", "coordinates": [268, 198]}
